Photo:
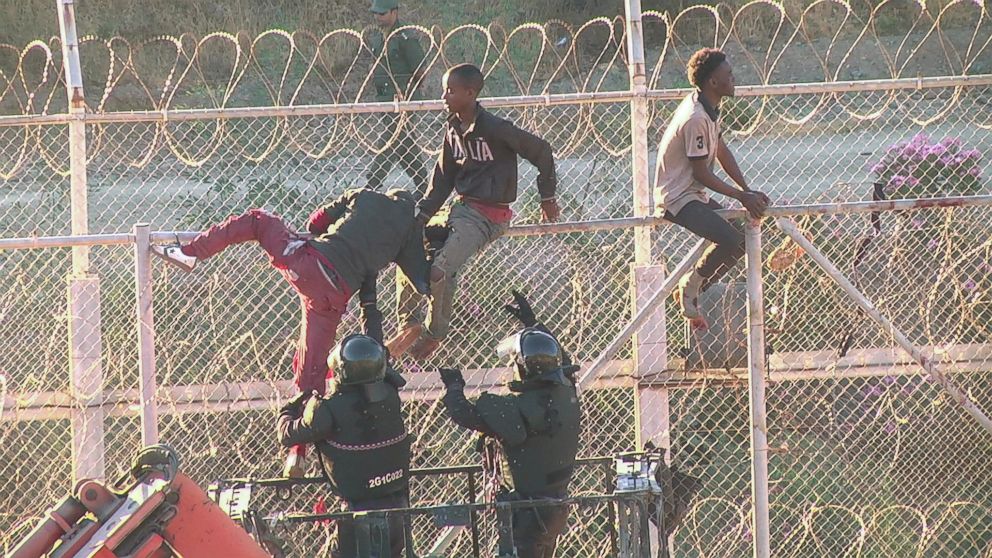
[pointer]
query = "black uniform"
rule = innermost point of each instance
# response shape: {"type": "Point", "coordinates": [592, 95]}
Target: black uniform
{"type": "Point", "coordinates": [398, 68]}
{"type": "Point", "coordinates": [537, 427]}
{"type": "Point", "coordinates": [364, 449]}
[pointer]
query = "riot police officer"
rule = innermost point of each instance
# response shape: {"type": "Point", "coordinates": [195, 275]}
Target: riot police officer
{"type": "Point", "coordinates": [536, 426]}
{"type": "Point", "coordinates": [361, 438]}
{"type": "Point", "coordinates": [396, 75]}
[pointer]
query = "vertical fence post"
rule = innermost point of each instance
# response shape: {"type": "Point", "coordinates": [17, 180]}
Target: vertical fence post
{"type": "Point", "coordinates": [146, 333]}
{"type": "Point", "coordinates": [756, 384]}
{"type": "Point", "coordinates": [650, 342]}
{"type": "Point", "coordinates": [639, 129]}
{"type": "Point", "coordinates": [85, 344]}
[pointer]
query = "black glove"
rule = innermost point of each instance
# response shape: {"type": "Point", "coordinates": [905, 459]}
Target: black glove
{"type": "Point", "coordinates": [394, 378]}
{"type": "Point", "coordinates": [451, 378]}
{"type": "Point", "coordinates": [522, 310]}
{"type": "Point", "coordinates": [296, 403]}
{"type": "Point", "coordinates": [437, 233]}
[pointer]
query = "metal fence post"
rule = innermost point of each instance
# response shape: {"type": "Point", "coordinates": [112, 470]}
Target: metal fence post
{"type": "Point", "coordinates": [146, 333]}
{"type": "Point", "coordinates": [650, 342]}
{"type": "Point", "coordinates": [639, 129]}
{"type": "Point", "coordinates": [85, 344]}
{"type": "Point", "coordinates": [756, 384]}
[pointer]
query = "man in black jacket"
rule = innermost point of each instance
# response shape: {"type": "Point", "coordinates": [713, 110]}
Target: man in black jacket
{"type": "Point", "coordinates": [353, 238]}
{"type": "Point", "coordinates": [478, 161]}
{"type": "Point", "coordinates": [361, 438]}
{"type": "Point", "coordinates": [536, 427]}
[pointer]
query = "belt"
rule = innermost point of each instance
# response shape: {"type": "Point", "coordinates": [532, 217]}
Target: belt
{"type": "Point", "coordinates": [470, 199]}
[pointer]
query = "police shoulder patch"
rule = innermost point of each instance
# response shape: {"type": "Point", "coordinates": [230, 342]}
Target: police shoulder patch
{"type": "Point", "coordinates": [314, 410]}
{"type": "Point", "coordinates": [501, 414]}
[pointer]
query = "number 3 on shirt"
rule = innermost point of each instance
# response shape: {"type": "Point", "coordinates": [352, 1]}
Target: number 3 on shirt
{"type": "Point", "coordinates": [699, 142]}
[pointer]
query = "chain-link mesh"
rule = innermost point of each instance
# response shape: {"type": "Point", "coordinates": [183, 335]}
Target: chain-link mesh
{"type": "Point", "coordinates": [867, 455]}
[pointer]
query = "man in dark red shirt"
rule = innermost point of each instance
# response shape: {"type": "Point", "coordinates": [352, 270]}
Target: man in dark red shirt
{"type": "Point", "coordinates": [478, 162]}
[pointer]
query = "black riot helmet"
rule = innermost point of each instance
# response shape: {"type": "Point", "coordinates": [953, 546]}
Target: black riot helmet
{"type": "Point", "coordinates": [534, 353]}
{"type": "Point", "coordinates": [358, 359]}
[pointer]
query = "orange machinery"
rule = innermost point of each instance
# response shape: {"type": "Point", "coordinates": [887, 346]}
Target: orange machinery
{"type": "Point", "coordinates": [161, 514]}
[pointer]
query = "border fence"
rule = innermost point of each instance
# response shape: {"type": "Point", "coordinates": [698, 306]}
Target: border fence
{"type": "Point", "coordinates": [838, 405]}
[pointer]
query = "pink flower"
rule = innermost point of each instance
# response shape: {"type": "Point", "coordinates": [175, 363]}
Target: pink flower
{"type": "Point", "coordinates": [910, 151]}
{"type": "Point", "coordinates": [913, 181]}
{"type": "Point", "coordinates": [897, 181]}
{"type": "Point", "coordinates": [974, 171]}
{"type": "Point", "coordinates": [937, 149]}
{"type": "Point", "coordinates": [933, 244]}
{"type": "Point", "coordinates": [969, 285]}
{"type": "Point", "coordinates": [951, 142]}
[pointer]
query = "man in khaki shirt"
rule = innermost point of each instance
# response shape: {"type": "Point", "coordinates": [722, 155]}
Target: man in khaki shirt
{"type": "Point", "coordinates": [690, 145]}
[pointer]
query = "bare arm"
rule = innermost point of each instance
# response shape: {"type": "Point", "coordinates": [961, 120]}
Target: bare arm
{"type": "Point", "coordinates": [701, 173]}
{"type": "Point", "coordinates": [729, 164]}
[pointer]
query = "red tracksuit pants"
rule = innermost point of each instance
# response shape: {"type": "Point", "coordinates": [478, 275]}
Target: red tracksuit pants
{"type": "Point", "coordinates": [322, 303]}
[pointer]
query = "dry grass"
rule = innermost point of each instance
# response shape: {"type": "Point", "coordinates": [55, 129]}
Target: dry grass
{"type": "Point", "coordinates": [26, 20]}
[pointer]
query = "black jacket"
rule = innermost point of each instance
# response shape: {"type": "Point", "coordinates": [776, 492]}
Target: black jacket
{"type": "Point", "coordinates": [369, 230]}
{"type": "Point", "coordinates": [482, 163]}
{"type": "Point", "coordinates": [538, 427]}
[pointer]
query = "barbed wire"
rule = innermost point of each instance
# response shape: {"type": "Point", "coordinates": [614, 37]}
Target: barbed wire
{"type": "Point", "coordinates": [298, 68]}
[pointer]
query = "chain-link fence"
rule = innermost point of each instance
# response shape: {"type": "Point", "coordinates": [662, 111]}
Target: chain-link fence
{"type": "Point", "coordinates": [866, 455]}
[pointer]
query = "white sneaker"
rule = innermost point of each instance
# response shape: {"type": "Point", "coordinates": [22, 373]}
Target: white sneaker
{"type": "Point", "coordinates": [173, 254]}
{"type": "Point", "coordinates": [688, 295]}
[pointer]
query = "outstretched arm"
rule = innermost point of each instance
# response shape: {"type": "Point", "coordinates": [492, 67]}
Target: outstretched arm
{"type": "Point", "coordinates": [370, 313]}
{"type": "Point", "coordinates": [522, 310]}
{"type": "Point", "coordinates": [540, 154]}
{"type": "Point", "coordinates": [312, 427]}
{"type": "Point", "coordinates": [460, 409]}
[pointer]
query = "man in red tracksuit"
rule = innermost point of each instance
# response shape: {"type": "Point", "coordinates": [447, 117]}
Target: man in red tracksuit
{"type": "Point", "coordinates": [351, 239]}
